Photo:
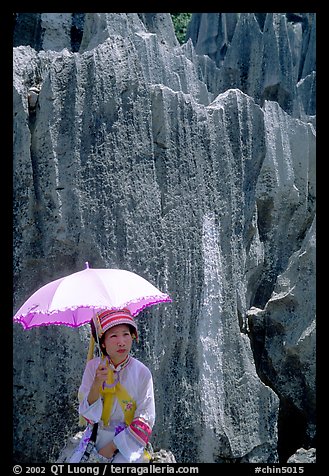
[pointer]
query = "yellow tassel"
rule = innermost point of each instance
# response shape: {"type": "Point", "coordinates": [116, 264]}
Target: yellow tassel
{"type": "Point", "coordinates": [91, 348]}
{"type": "Point", "coordinates": [90, 355]}
{"type": "Point", "coordinates": [82, 420]}
{"type": "Point", "coordinates": [147, 455]}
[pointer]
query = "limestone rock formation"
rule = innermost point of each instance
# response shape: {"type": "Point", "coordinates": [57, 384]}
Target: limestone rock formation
{"type": "Point", "coordinates": [193, 166]}
{"type": "Point", "coordinates": [303, 456]}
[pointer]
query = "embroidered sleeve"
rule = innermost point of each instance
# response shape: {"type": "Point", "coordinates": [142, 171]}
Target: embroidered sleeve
{"type": "Point", "coordinates": [140, 430]}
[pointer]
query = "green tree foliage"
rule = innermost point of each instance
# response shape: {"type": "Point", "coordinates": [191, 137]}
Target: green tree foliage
{"type": "Point", "coordinates": [180, 21]}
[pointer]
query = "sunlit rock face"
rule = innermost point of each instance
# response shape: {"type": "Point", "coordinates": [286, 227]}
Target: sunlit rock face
{"type": "Point", "coordinates": [177, 163]}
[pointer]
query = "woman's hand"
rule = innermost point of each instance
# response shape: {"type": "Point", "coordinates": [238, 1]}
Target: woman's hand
{"type": "Point", "coordinates": [108, 450]}
{"type": "Point", "coordinates": [101, 374]}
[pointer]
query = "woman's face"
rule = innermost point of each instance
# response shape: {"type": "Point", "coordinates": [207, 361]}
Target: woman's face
{"type": "Point", "coordinates": [118, 342]}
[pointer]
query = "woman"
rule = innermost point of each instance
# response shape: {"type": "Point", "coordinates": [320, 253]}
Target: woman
{"type": "Point", "coordinates": [117, 392]}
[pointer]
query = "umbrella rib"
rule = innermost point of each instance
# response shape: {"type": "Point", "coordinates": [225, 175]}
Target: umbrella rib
{"type": "Point", "coordinates": [74, 318]}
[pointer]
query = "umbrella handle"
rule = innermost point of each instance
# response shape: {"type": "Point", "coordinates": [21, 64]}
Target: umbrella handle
{"type": "Point", "coordinates": [116, 380]}
{"type": "Point", "coordinates": [106, 385]}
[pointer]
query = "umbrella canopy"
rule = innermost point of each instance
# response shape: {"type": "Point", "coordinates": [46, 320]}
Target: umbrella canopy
{"type": "Point", "coordinates": [74, 299]}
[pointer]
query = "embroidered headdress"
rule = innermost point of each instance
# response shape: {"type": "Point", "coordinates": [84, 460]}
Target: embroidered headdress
{"type": "Point", "coordinates": [105, 320]}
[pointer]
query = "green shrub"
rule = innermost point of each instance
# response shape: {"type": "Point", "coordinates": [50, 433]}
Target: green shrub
{"type": "Point", "coordinates": [180, 21]}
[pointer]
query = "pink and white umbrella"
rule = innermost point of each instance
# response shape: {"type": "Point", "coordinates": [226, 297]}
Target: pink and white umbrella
{"type": "Point", "coordinates": [74, 299]}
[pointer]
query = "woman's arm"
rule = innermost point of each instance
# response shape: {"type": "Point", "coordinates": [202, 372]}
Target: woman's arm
{"type": "Point", "coordinates": [99, 379]}
{"type": "Point", "coordinates": [90, 410]}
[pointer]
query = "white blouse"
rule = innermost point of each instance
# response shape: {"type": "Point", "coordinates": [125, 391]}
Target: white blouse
{"type": "Point", "coordinates": [137, 380]}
